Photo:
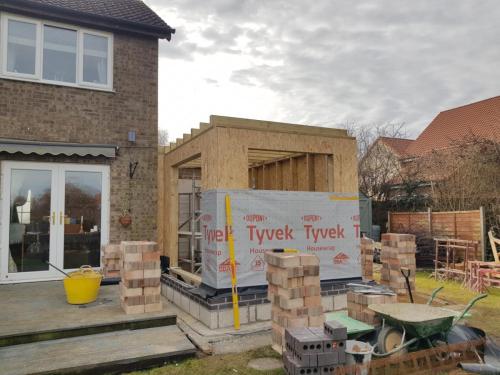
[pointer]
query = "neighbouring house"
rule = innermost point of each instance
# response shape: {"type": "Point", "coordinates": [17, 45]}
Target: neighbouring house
{"type": "Point", "coordinates": [438, 154]}
{"type": "Point", "coordinates": [78, 131]}
{"type": "Point", "coordinates": [380, 167]}
{"type": "Point", "coordinates": [455, 159]}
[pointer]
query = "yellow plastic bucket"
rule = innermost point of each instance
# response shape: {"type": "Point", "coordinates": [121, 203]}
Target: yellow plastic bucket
{"type": "Point", "coordinates": [82, 286]}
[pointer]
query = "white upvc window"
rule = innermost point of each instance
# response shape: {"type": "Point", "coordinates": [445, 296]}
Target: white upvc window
{"type": "Point", "coordinates": [50, 52]}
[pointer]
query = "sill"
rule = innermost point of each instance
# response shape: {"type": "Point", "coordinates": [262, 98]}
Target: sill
{"type": "Point", "coordinates": [59, 84]}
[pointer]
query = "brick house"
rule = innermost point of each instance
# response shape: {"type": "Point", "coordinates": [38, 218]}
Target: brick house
{"type": "Point", "coordinates": [78, 130]}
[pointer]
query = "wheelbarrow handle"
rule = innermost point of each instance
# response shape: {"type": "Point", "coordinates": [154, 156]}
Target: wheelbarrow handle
{"type": "Point", "coordinates": [434, 293]}
{"type": "Point", "coordinates": [405, 271]}
{"type": "Point", "coordinates": [469, 306]}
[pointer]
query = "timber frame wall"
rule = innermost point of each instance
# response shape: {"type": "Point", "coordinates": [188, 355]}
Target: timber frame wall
{"type": "Point", "coordinates": [235, 153]}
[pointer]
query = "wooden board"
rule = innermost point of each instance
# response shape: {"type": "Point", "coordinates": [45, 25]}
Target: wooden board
{"type": "Point", "coordinates": [188, 277]}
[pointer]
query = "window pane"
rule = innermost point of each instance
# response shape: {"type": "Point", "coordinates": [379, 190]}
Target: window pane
{"type": "Point", "coordinates": [29, 229]}
{"type": "Point", "coordinates": [21, 50]}
{"type": "Point", "coordinates": [59, 54]}
{"type": "Point", "coordinates": [82, 219]}
{"type": "Point", "coordinates": [95, 59]}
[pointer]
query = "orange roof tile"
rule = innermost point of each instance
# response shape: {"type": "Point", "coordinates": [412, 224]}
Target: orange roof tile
{"type": "Point", "coordinates": [480, 119]}
{"type": "Point", "coordinates": [399, 145]}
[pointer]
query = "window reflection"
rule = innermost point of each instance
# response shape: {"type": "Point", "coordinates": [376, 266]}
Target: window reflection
{"type": "Point", "coordinates": [82, 219]}
{"type": "Point", "coordinates": [29, 229]}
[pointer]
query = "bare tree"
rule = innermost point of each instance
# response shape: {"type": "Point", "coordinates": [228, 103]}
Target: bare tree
{"type": "Point", "coordinates": [162, 137]}
{"type": "Point", "coordinates": [466, 176]}
{"type": "Point", "coordinates": [378, 165]}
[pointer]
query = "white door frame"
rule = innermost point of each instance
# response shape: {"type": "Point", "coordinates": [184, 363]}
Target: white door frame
{"type": "Point", "coordinates": [56, 254]}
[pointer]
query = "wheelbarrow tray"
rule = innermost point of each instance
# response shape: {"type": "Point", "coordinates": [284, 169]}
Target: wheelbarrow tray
{"type": "Point", "coordinates": [418, 320]}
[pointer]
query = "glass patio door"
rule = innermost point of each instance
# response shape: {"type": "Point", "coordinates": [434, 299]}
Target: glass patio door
{"type": "Point", "coordinates": [82, 216]}
{"type": "Point", "coordinates": [29, 207]}
{"type": "Point", "coordinates": [54, 212]}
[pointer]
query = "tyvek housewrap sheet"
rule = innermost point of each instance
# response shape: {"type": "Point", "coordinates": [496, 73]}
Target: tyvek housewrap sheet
{"type": "Point", "coordinates": [325, 224]}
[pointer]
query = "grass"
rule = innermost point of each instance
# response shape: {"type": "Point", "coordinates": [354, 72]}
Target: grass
{"type": "Point", "coordinates": [218, 365]}
{"type": "Point", "coordinates": [485, 315]}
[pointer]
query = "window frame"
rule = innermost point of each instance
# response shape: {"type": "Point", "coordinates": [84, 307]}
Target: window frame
{"type": "Point", "coordinates": [38, 76]}
{"type": "Point", "coordinates": [80, 55]}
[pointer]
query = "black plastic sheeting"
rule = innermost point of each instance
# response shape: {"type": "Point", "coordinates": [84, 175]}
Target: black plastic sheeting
{"type": "Point", "coordinates": [491, 365]}
{"type": "Point", "coordinates": [205, 291]}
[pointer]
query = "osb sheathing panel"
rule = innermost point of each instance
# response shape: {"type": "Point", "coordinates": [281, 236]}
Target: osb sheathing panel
{"type": "Point", "coordinates": [223, 148]}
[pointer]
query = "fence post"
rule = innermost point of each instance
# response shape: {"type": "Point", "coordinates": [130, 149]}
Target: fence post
{"type": "Point", "coordinates": [389, 222]}
{"type": "Point", "coordinates": [482, 229]}
{"type": "Point", "coordinates": [429, 218]}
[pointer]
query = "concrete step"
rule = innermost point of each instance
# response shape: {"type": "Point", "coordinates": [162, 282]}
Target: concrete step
{"type": "Point", "coordinates": [109, 353]}
{"type": "Point", "coordinates": [88, 329]}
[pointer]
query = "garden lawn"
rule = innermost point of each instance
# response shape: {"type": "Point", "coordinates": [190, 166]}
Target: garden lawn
{"type": "Point", "coordinates": [485, 313]}
{"type": "Point", "coordinates": [218, 365]}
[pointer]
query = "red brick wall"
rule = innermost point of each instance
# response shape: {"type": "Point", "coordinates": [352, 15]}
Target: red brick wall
{"type": "Point", "coordinates": [46, 112]}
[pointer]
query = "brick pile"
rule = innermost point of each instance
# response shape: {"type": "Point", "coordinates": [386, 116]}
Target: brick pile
{"type": "Point", "coordinates": [140, 290]}
{"type": "Point", "coordinates": [357, 306]}
{"type": "Point", "coordinates": [398, 250]}
{"type": "Point", "coordinates": [367, 249]}
{"type": "Point", "coordinates": [111, 260]}
{"type": "Point", "coordinates": [314, 350]}
{"type": "Point", "coordinates": [295, 293]}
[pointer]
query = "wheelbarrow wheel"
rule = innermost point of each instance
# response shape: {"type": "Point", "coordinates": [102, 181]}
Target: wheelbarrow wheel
{"type": "Point", "coordinates": [389, 339]}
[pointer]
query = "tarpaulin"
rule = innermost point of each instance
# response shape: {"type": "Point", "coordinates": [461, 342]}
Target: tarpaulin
{"type": "Point", "coordinates": [324, 224]}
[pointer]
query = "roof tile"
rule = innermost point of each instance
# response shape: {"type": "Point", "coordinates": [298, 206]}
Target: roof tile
{"type": "Point", "coordinates": [480, 119]}
{"type": "Point", "coordinates": [399, 145]}
{"type": "Point", "coordinates": [126, 11]}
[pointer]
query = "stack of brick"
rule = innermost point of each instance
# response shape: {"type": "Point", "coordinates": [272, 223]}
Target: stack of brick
{"type": "Point", "coordinates": [367, 249]}
{"type": "Point", "coordinates": [140, 290]}
{"type": "Point", "coordinates": [295, 293]}
{"type": "Point", "coordinates": [398, 251]}
{"type": "Point", "coordinates": [111, 260]}
{"type": "Point", "coordinates": [315, 350]}
{"type": "Point", "coordinates": [357, 306]}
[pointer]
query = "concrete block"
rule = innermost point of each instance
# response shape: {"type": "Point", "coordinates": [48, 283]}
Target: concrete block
{"type": "Point", "coordinates": [184, 303]}
{"type": "Point", "coordinates": [340, 302]}
{"type": "Point", "coordinates": [170, 293]}
{"type": "Point", "coordinates": [177, 298]}
{"type": "Point", "coordinates": [226, 320]}
{"type": "Point", "coordinates": [164, 290]}
{"type": "Point", "coordinates": [252, 314]}
{"type": "Point", "coordinates": [209, 317]}
{"type": "Point", "coordinates": [194, 309]}
{"type": "Point", "coordinates": [327, 303]}
{"type": "Point", "coordinates": [264, 311]}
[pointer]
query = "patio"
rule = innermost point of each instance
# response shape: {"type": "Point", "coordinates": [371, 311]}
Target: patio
{"type": "Point", "coordinates": [38, 311]}
{"type": "Point", "coordinates": [37, 323]}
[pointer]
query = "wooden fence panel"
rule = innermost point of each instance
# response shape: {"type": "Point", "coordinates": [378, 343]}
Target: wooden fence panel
{"type": "Point", "coordinates": [466, 225]}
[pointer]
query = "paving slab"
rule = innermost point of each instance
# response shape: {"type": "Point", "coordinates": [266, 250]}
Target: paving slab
{"type": "Point", "coordinates": [97, 354]}
{"type": "Point", "coordinates": [28, 308]}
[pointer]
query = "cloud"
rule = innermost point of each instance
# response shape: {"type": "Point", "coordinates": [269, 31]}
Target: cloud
{"type": "Point", "coordinates": [334, 61]}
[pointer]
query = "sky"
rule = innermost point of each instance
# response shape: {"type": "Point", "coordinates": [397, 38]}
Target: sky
{"type": "Point", "coordinates": [325, 62]}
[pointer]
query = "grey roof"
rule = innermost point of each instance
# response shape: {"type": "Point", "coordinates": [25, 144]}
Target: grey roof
{"type": "Point", "coordinates": [125, 15]}
{"type": "Point", "coordinates": [12, 146]}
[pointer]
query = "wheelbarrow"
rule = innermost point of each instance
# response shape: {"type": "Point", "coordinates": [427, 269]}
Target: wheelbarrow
{"type": "Point", "coordinates": [414, 326]}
